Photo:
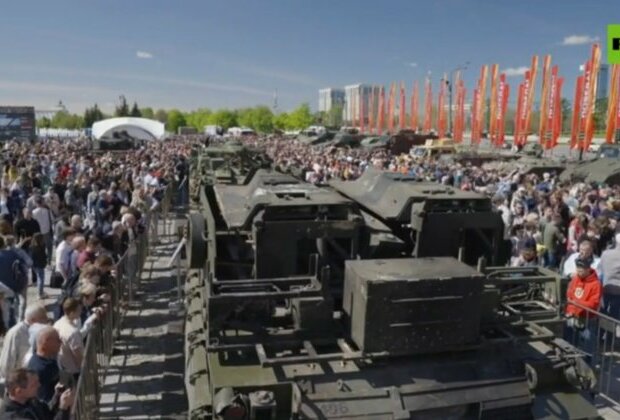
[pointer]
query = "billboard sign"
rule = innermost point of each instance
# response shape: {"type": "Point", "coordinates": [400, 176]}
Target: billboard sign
{"type": "Point", "coordinates": [17, 122]}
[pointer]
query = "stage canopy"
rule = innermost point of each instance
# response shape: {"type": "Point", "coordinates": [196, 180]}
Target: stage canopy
{"type": "Point", "coordinates": [138, 128]}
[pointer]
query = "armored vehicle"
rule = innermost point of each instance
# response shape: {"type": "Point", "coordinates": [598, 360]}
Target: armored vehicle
{"type": "Point", "coordinates": [301, 304]}
{"type": "Point", "coordinates": [230, 163]}
{"type": "Point", "coordinates": [432, 219]}
{"type": "Point", "coordinates": [528, 165]}
{"type": "Point", "coordinates": [602, 171]}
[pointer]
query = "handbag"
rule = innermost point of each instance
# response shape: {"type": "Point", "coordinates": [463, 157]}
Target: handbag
{"type": "Point", "coordinates": [56, 280]}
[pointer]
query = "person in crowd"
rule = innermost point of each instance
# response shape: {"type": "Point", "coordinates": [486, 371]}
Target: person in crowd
{"type": "Point", "coordinates": [45, 218]}
{"type": "Point", "coordinates": [63, 254]}
{"type": "Point", "coordinates": [44, 362]}
{"type": "Point", "coordinates": [22, 402]}
{"type": "Point", "coordinates": [584, 299]}
{"type": "Point", "coordinates": [610, 273]}
{"type": "Point", "coordinates": [13, 281]}
{"type": "Point", "coordinates": [26, 227]}
{"type": "Point", "coordinates": [16, 341]}
{"type": "Point", "coordinates": [553, 239]}
{"type": "Point", "coordinates": [38, 253]}
{"type": "Point", "coordinates": [585, 252]}
{"type": "Point", "coordinates": [68, 327]}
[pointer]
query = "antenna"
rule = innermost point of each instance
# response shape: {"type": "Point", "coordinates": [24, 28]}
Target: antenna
{"type": "Point", "coordinates": [275, 100]}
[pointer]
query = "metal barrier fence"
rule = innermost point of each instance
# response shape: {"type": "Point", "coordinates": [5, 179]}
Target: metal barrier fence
{"type": "Point", "coordinates": [598, 336]}
{"type": "Point", "coordinates": [100, 340]}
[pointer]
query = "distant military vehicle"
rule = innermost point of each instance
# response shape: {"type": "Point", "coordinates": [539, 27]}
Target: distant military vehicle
{"type": "Point", "coordinates": [301, 305]}
{"type": "Point", "coordinates": [400, 142]}
{"type": "Point", "coordinates": [601, 171]}
{"type": "Point", "coordinates": [433, 219]}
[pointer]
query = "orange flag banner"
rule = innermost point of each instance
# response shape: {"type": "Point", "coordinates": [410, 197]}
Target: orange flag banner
{"type": "Point", "coordinates": [586, 118]}
{"type": "Point", "coordinates": [493, 104]}
{"type": "Point", "coordinates": [574, 132]}
{"type": "Point", "coordinates": [525, 104]}
{"type": "Point", "coordinates": [371, 111]}
{"type": "Point", "coordinates": [362, 116]}
{"type": "Point", "coordinates": [557, 125]}
{"type": "Point", "coordinates": [402, 114]}
{"type": "Point", "coordinates": [428, 106]}
{"type": "Point", "coordinates": [475, 137]}
{"type": "Point", "coordinates": [381, 111]}
{"type": "Point", "coordinates": [414, 107]}
{"type": "Point", "coordinates": [498, 117]}
{"type": "Point", "coordinates": [391, 108]}
{"type": "Point", "coordinates": [548, 128]}
{"type": "Point", "coordinates": [613, 107]}
{"type": "Point", "coordinates": [441, 112]}
{"type": "Point", "coordinates": [544, 130]}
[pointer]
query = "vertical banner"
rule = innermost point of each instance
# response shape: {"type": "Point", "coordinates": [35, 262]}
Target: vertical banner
{"type": "Point", "coordinates": [371, 111]}
{"type": "Point", "coordinates": [381, 111]}
{"type": "Point", "coordinates": [586, 120]}
{"type": "Point", "coordinates": [482, 91]}
{"type": "Point", "coordinates": [362, 115]}
{"type": "Point", "coordinates": [441, 112]}
{"type": "Point", "coordinates": [402, 114]}
{"type": "Point", "coordinates": [557, 125]}
{"type": "Point", "coordinates": [613, 105]}
{"type": "Point", "coordinates": [548, 112]}
{"type": "Point", "coordinates": [428, 105]}
{"type": "Point", "coordinates": [414, 107]}
{"type": "Point", "coordinates": [493, 104]}
{"type": "Point", "coordinates": [458, 125]}
{"type": "Point", "coordinates": [544, 129]}
{"type": "Point", "coordinates": [525, 105]}
{"type": "Point", "coordinates": [517, 117]}
{"type": "Point", "coordinates": [574, 128]}
{"type": "Point", "coordinates": [497, 132]}
{"type": "Point", "coordinates": [475, 138]}
{"type": "Point", "coordinates": [391, 109]}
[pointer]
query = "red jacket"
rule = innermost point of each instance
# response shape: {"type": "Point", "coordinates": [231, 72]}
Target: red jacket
{"type": "Point", "coordinates": [586, 292]}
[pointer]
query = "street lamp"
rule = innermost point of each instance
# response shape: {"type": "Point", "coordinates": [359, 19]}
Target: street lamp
{"type": "Point", "coordinates": [449, 83]}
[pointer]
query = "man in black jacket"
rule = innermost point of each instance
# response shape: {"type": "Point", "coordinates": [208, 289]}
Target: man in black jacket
{"type": "Point", "coordinates": [21, 400]}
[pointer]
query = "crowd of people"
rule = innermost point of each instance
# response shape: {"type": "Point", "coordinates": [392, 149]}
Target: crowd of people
{"type": "Point", "coordinates": [67, 215]}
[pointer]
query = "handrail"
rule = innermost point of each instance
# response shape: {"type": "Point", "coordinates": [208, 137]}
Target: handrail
{"type": "Point", "coordinates": [100, 340]}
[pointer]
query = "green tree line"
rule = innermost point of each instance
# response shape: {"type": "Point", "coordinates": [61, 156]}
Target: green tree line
{"type": "Point", "coordinates": [260, 118]}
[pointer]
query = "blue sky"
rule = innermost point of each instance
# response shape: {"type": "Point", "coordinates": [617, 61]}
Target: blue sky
{"type": "Point", "coordinates": [232, 53]}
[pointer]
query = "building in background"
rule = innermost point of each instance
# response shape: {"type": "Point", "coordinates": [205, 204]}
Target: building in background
{"type": "Point", "coordinates": [603, 80]}
{"type": "Point", "coordinates": [356, 96]}
{"type": "Point", "coordinates": [330, 98]}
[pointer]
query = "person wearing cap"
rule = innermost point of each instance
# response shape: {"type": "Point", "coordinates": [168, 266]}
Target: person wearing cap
{"type": "Point", "coordinates": [585, 252]}
{"type": "Point", "coordinates": [528, 256]}
{"type": "Point", "coordinates": [583, 299]}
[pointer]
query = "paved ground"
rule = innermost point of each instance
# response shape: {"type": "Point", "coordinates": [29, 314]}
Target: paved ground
{"type": "Point", "coordinates": [145, 377]}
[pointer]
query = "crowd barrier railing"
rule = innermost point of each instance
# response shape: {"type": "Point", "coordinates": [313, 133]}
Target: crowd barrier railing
{"type": "Point", "coordinates": [597, 335]}
{"type": "Point", "coordinates": [100, 340]}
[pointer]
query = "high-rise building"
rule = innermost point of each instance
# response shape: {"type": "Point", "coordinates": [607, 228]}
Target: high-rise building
{"type": "Point", "coordinates": [602, 82]}
{"type": "Point", "coordinates": [329, 98]}
{"type": "Point", "coordinates": [356, 96]}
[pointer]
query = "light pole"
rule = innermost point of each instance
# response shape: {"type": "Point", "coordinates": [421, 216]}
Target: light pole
{"type": "Point", "coordinates": [449, 83]}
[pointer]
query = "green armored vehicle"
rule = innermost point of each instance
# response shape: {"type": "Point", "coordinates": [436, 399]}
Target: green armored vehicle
{"type": "Point", "coordinates": [302, 304]}
{"type": "Point", "coordinates": [601, 171]}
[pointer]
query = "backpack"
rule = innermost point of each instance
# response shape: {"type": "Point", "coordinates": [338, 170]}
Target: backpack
{"type": "Point", "coordinates": [20, 275]}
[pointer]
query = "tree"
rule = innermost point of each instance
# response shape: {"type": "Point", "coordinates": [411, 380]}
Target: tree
{"type": "Point", "coordinates": [334, 116]}
{"type": "Point", "coordinates": [262, 119]}
{"type": "Point", "coordinates": [63, 119]}
{"type": "Point", "coordinates": [175, 120]}
{"type": "Point", "coordinates": [280, 121]}
{"type": "Point", "coordinates": [224, 118]}
{"type": "Point", "coordinates": [301, 117]}
{"type": "Point", "coordinates": [161, 115]}
{"type": "Point", "coordinates": [44, 122]}
{"type": "Point", "coordinates": [92, 115]}
{"type": "Point", "coordinates": [566, 115]}
{"type": "Point", "coordinates": [147, 113]}
{"type": "Point", "coordinates": [600, 114]}
{"type": "Point", "coordinates": [135, 111]}
{"type": "Point", "coordinates": [198, 118]}
{"type": "Point", "coordinates": [122, 109]}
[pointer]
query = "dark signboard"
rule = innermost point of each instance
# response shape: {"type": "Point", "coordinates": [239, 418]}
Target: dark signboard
{"type": "Point", "coordinates": [17, 122]}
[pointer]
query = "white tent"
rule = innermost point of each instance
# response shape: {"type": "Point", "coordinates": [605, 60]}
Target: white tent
{"type": "Point", "coordinates": [139, 128]}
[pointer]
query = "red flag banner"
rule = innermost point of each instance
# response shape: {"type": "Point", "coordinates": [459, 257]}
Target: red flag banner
{"type": "Point", "coordinates": [517, 125]}
{"type": "Point", "coordinates": [525, 103]}
{"type": "Point", "coordinates": [428, 105]}
{"type": "Point", "coordinates": [544, 130]}
{"type": "Point", "coordinates": [381, 111]}
{"type": "Point", "coordinates": [493, 104]}
{"type": "Point", "coordinates": [371, 111]}
{"type": "Point", "coordinates": [557, 125]}
{"type": "Point", "coordinates": [414, 107]}
{"type": "Point", "coordinates": [458, 126]}
{"type": "Point", "coordinates": [574, 132]}
{"type": "Point", "coordinates": [391, 108]}
{"type": "Point", "coordinates": [475, 138]}
{"type": "Point", "coordinates": [441, 112]}
{"type": "Point", "coordinates": [548, 113]}
{"type": "Point", "coordinates": [586, 123]}
{"type": "Point", "coordinates": [613, 107]}
{"type": "Point", "coordinates": [482, 92]}
{"type": "Point", "coordinates": [402, 115]}
{"type": "Point", "coordinates": [362, 116]}
{"type": "Point", "coordinates": [497, 132]}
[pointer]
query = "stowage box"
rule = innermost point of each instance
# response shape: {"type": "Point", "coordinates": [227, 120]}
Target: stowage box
{"type": "Point", "coordinates": [412, 305]}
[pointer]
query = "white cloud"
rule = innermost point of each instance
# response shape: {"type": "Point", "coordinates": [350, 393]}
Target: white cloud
{"type": "Point", "coordinates": [579, 40]}
{"type": "Point", "coordinates": [412, 64]}
{"type": "Point", "coordinates": [515, 71]}
{"type": "Point", "coordinates": [145, 55]}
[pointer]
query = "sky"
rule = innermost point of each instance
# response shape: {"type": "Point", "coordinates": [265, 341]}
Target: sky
{"type": "Point", "coordinates": [235, 53]}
